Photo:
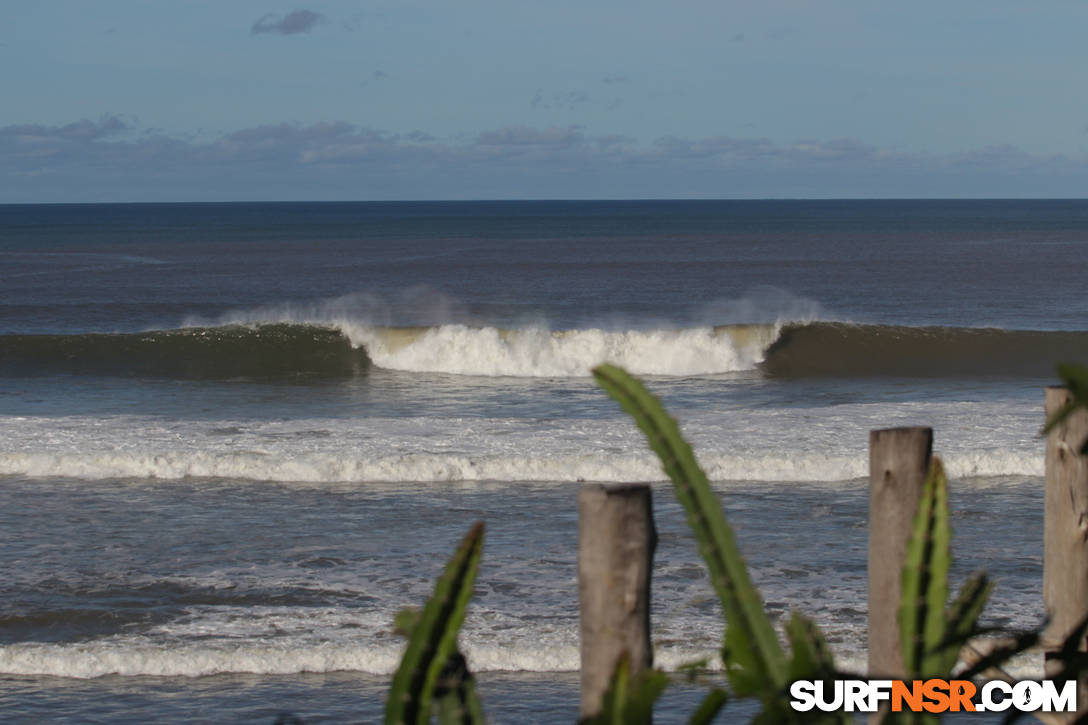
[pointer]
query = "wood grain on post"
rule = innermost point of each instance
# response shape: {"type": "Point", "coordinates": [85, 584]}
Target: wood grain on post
{"type": "Point", "coordinates": [898, 462]}
{"type": "Point", "coordinates": [616, 540]}
{"type": "Point", "coordinates": [1065, 543]}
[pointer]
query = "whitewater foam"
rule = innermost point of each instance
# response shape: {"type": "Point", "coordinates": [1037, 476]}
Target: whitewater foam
{"type": "Point", "coordinates": [787, 444]}
{"type": "Point", "coordinates": [531, 351]}
{"type": "Point", "coordinates": [538, 352]}
{"type": "Point", "coordinates": [97, 659]}
{"type": "Point", "coordinates": [91, 660]}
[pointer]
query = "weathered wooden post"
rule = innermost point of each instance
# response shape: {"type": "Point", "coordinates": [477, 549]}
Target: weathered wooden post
{"type": "Point", "coordinates": [898, 462]}
{"type": "Point", "coordinates": [616, 541]}
{"type": "Point", "coordinates": [1065, 537]}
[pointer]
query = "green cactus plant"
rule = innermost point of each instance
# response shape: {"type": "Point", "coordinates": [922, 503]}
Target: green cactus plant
{"type": "Point", "coordinates": [630, 697]}
{"type": "Point", "coordinates": [756, 665]}
{"type": "Point", "coordinates": [709, 708]}
{"type": "Point", "coordinates": [456, 695]}
{"type": "Point", "coordinates": [924, 590]}
{"type": "Point", "coordinates": [432, 653]}
{"type": "Point", "coordinates": [931, 631]}
{"type": "Point", "coordinates": [754, 655]}
{"type": "Point", "coordinates": [753, 658]}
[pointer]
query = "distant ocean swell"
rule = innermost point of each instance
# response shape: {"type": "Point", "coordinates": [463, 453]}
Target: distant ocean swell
{"type": "Point", "coordinates": [273, 351]}
{"type": "Point", "coordinates": [262, 352]}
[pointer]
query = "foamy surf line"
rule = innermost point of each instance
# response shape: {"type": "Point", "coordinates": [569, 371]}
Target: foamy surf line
{"type": "Point", "coordinates": [432, 468]}
{"type": "Point", "coordinates": [771, 444]}
{"type": "Point", "coordinates": [90, 660]}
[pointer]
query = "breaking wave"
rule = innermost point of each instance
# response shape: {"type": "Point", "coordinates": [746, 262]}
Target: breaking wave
{"type": "Point", "coordinates": [538, 352]}
{"type": "Point", "coordinates": [339, 349]}
{"type": "Point", "coordinates": [288, 350]}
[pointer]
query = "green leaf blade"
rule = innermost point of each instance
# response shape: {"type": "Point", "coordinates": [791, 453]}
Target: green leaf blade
{"type": "Point", "coordinates": [434, 636]}
{"type": "Point", "coordinates": [925, 578]}
{"type": "Point", "coordinates": [962, 618]}
{"type": "Point", "coordinates": [709, 708]}
{"type": "Point", "coordinates": [752, 655]}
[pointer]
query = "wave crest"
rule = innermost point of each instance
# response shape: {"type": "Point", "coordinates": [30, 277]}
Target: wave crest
{"type": "Point", "coordinates": [340, 349]}
{"type": "Point", "coordinates": [538, 352]}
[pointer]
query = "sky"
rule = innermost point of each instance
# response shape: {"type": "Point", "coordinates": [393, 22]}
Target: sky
{"type": "Point", "coordinates": [206, 100]}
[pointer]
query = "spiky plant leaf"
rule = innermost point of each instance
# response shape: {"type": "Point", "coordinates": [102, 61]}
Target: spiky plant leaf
{"type": "Point", "coordinates": [709, 708]}
{"type": "Point", "coordinates": [458, 701]}
{"type": "Point", "coordinates": [404, 621]}
{"type": "Point", "coordinates": [434, 636]}
{"type": "Point", "coordinates": [925, 578]}
{"type": "Point", "coordinates": [811, 658]}
{"type": "Point", "coordinates": [961, 619]}
{"type": "Point", "coordinates": [630, 698]}
{"type": "Point", "coordinates": [751, 653]}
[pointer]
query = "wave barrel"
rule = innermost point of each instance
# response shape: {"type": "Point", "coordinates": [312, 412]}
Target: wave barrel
{"type": "Point", "coordinates": [838, 349]}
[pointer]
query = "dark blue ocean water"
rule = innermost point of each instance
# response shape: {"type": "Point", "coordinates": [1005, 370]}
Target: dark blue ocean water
{"type": "Point", "coordinates": [1016, 264]}
{"type": "Point", "coordinates": [219, 421]}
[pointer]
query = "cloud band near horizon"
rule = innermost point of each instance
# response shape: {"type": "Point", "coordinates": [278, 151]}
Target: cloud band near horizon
{"type": "Point", "coordinates": [111, 159]}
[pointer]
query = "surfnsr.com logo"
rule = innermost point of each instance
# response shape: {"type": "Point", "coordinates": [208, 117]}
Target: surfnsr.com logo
{"type": "Point", "coordinates": [933, 695]}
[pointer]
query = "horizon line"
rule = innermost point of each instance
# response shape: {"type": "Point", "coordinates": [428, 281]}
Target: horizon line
{"type": "Point", "coordinates": [560, 200]}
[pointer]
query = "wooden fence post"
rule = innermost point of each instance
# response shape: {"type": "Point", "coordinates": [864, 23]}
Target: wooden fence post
{"type": "Point", "coordinates": [898, 462]}
{"type": "Point", "coordinates": [616, 541]}
{"type": "Point", "coordinates": [1065, 537]}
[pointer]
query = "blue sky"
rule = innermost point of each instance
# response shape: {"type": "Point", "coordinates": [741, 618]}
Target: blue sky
{"type": "Point", "coordinates": [144, 100]}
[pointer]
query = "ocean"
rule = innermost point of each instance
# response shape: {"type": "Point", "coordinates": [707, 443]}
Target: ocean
{"type": "Point", "coordinates": [236, 439]}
